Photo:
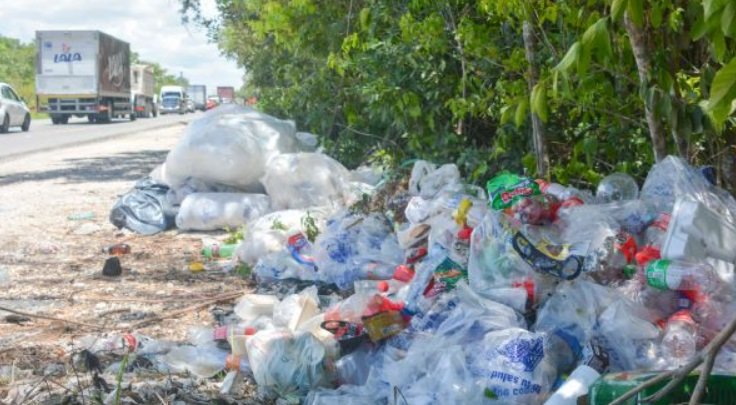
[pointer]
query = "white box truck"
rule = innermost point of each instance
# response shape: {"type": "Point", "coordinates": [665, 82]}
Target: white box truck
{"type": "Point", "coordinates": [82, 73]}
{"type": "Point", "coordinates": [143, 86]}
{"type": "Point", "coordinates": [198, 94]}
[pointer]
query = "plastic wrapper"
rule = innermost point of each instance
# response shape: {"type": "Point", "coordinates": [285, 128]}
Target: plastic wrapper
{"type": "Point", "coordinates": [210, 211]}
{"type": "Point", "coordinates": [229, 146]}
{"type": "Point", "coordinates": [269, 233]}
{"type": "Point", "coordinates": [303, 180]}
{"type": "Point", "coordinates": [367, 174]}
{"type": "Point", "coordinates": [281, 266]}
{"type": "Point", "coordinates": [289, 363]}
{"type": "Point", "coordinates": [353, 247]}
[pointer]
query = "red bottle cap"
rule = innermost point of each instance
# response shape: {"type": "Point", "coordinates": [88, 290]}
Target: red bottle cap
{"type": "Point", "coordinates": [250, 331]}
{"type": "Point", "coordinates": [464, 234]}
{"type": "Point", "coordinates": [403, 273]}
{"type": "Point", "coordinates": [682, 315]}
{"type": "Point", "coordinates": [382, 286]}
{"type": "Point", "coordinates": [232, 362]}
{"type": "Point", "coordinates": [130, 342]}
{"type": "Point", "coordinates": [647, 254]}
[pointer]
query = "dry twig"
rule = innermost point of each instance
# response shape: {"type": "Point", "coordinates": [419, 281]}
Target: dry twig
{"type": "Point", "coordinates": [191, 308]}
{"type": "Point", "coordinates": [50, 318]}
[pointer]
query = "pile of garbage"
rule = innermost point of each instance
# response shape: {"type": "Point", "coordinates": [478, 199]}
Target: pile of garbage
{"type": "Point", "coordinates": [525, 292]}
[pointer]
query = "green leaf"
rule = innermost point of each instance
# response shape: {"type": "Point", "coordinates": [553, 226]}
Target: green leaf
{"type": "Point", "coordinates": [596, 38]}
{"type": "Point", "coordinates": [570, 59]}
{"type": "Point", "coordinates": [520, 114]}
{"type": "Point", "coordinates": [507, 112]}
{"type": "Point", "coordinates": [710, 7]}
{"type": "Point", "coordinates": [719, 45]}
{"type": "Point", "coordinates": [728, 20]}
{"type": "Point", "coordinates": [539, 101]}
{"type": "Point", "coordinates": [722, 94]}
{"type": "Point", "coordinates": [488, 393]}
{"type": "Point", "coordinates": [365, 17]}
{"type": "Point", "coordinates": [635, 10]}
{"type": "Point", "coordinates": [656, 15]}
{"type": "Point", "coordinates": [617, 9]}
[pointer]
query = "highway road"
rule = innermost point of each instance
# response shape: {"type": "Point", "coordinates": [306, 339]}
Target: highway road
{"type": "Point", "coordinates": [44, 136]}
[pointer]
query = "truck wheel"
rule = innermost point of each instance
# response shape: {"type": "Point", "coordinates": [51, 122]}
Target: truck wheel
{"type": "Point", "coordinates": [26, 123]}
{"type": "Point", "coordinates": [133, 116]}
{"type": "Point", "coordinates": [91, 118]}
{"type": "Point", "coordinates": [5, 127]}
{"type": "Point", "coordinates": [54, 120]}
{"type": "Point", "coordinates": [64, 119]}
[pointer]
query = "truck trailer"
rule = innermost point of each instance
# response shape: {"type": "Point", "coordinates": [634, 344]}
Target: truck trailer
{"type": "Point", "coordinates": [143, 86]}
{"type": "Point", "coordinates": [198, 94]}
{"type": "Point", "coordinates": [82, 73]}
{"type": "Point", "coordinates": [226, 94]}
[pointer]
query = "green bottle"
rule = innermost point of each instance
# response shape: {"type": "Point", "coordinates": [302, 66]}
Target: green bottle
{"type": "Point", "coordinates": [217, 251]}
{"type": "Point", "coordinates": [721, 389]}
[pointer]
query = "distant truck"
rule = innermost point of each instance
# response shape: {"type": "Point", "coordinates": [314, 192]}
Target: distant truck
{"type": "Point", "coordinates": [82, 73]}
{"type": "Point", "coordinates": [198, 94]}
{"type": "Point", "coordinates": [173, 100]}
{"type": "Point", "coordinates": [226, 94]}
{"type": "Point", "coordinates": [143, 86]}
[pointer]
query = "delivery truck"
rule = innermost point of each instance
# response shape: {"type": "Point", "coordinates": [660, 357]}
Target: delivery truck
{"type": "Point", "coordinates": [82, 73]}
{"type": "Point", "coordinates": [226, 94]}
{"type": "Point", "coordinates": [198, 94]}
{"type": "Point", "coordinates": [143, 86]}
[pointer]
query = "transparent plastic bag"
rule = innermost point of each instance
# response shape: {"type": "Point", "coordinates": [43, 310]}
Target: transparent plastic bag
{"type": "Point", "coordinates": [289, 363]}
{"type": "Point", "coordinates": [427, 180]}
{"type": "Point", "coordinates": [229, 146]}
{"type": "Point", "coordinates": [303, 180]}
{"type": "Point", "coordinates": [269, 233]}
{"type": "Point", "coordinates": [210, 211]}
{"type": "Point", "coordinates": [354, 247]}
{"type": "Point", "coordinates": [294, 310]}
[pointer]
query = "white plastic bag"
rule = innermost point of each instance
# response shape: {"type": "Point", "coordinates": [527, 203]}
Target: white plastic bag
{"type": "Point", "coordinates": [296, 309]}
{"type": "Point", "coordinates": [426, 180]}
{"type": "Point", "coordinates": [210, 211]}
{"type": "Point", "coordinates": [300, 180]}
{"type": "Point", "coordinates": [229, 146]}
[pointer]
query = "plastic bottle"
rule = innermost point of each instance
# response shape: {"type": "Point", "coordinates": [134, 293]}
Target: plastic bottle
{"type": "Point", "coordinates": [204, 362]}
{"type": "Point", "coordinates": [117, 249]}
{"type": "Point", "coordinates": [576, 385]}
{"type": "Point", "coordinates": [217, 251]}
{"type": "Point", "coordinates": [679, 342]}
{"type": "Point", "coordinates": [680, 275]}
{"type": "Point", "coordinates": [656, 233]}
{"type": "Point", "coordinates": [617, 187]}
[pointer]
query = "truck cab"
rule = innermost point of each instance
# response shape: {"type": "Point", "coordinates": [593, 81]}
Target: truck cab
{"type": "Point", "coordinates": [172, 99]}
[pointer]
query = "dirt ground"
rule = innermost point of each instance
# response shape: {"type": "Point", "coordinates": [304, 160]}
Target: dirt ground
{"type": "Point", "coordinates": [51, 265]}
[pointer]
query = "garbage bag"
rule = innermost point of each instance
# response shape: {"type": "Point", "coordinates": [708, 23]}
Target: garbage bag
{"type": "Point", "coordinates": [229, 146]}
{"type": "Point", "coordinates": [427, 180]}
{"type": "Point", "coordinates": [289, 363]}
{"type": "Point", "coordinates": [210, 211]}
{"type": "Point", "coordinates": [300, 180]}
{"type": "Point", "coordinates": [144, 209]}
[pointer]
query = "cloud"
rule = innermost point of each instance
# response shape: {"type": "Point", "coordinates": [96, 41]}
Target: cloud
{"type": "Point", "coordinates": [152, 27]}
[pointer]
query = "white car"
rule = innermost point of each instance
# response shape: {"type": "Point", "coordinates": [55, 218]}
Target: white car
{"type": "Point", "coordinates": [13, 110]}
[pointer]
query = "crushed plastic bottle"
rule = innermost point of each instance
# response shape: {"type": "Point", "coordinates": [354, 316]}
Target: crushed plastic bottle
{"type": "Point", "coordinates": [682, 276]}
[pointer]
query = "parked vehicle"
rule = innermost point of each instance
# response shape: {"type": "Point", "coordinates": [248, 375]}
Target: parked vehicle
{"type": "Point", "coordinates": [212, 102]}
{"type": "Point", "coordinates": [82, 73]}
{"type": "Point", "coordinates": [143, 86]}
{"type": "Point", "coordinates": [13, 110]}
{"type": "Point", "coordinates": [173, 100]}
{"type": "Point", "coordinates": [198, 94]}
{"type": "Point", "coordinates": [226, 94]}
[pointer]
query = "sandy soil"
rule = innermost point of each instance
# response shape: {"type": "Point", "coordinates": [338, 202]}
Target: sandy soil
{"type": "Point", "coordinates": [51, 265]}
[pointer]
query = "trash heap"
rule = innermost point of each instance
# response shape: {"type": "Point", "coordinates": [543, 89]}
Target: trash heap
{"type": "Point", "coordinates": [437, 291]}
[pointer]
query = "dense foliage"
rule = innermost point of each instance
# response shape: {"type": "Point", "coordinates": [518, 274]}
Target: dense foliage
{"type": "Point", "coordinates": [449, 80]}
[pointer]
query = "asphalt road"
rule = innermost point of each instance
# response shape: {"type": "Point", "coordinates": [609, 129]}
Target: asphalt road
{"type": "Point", "coordinates": [44, 136]}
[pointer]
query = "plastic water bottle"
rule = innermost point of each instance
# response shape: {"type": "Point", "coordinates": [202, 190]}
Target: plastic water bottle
{"type": "Point", "coordinates": [656, 233]}
{"type": "Point", "coordinates": [204, 362]}
{"type": "Point", "coordinates": [617, 187]}
{"type": "Point", "coordinates": [216, 251]}
{"type": "Point", "coordinates": [680, 275]}
{"type": "Point", "coordinates": [679, 343]}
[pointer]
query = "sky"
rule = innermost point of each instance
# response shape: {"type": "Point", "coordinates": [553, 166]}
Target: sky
{"type": "Point", "coordinates": [152, 27]}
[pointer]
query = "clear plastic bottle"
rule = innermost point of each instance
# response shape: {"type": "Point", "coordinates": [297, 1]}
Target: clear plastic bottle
{"type": "Point", "coordinates": [681, 275]}
{"type": "Point", "coordinates": [617, 187]}
{"type": "Point", "coordinates": [656, 233]}
{"type": "Point", "coordinates": [680, 339]}
{"type": "Point", "coordinates": [204, 361]}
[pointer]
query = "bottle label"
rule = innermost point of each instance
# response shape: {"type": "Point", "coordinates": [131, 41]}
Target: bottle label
{"type": "Point", "coordinates": [657, 274]}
